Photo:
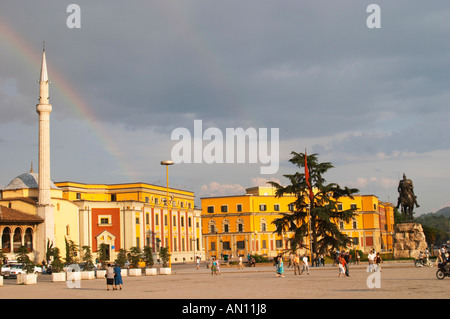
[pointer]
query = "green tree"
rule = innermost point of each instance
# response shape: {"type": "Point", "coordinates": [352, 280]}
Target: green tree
{"type": "Point", "coordinates": [164, 255]}
{"type": "Point", "coordinates": [87, 258]}
{"type": "Point", "coordinates": [148, 256]}
{"type": "Point", "coordinates": [23, 258]}
{"type": "Point", "coordinates": [135, 256]}
{"type": "Point", "coordinates": [102, 252]}
{"type": "Point", "coordinates": [121, 258]}
{"type": "Point", "coordinates": [57, 264]}
{"type": "Point", "coordinates": [71, 251]}
{"type": "Point", "coordinates": [318, 215]}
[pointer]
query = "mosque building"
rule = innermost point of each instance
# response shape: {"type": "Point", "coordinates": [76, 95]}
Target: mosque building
{"type": "Point", "coordinates": [38, 213]}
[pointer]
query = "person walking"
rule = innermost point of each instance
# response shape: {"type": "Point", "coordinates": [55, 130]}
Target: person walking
{"type": "Point", "coordinates": [296, 264]}
{"type": "Point", "coordinates": [341, 266]}
{"type": "Point", "coordinates": [217, 267]}
{"type": "Point", "coordinates": [197, 261]}
{"type": "Point", "coordinates": [117, 277]}
{"type": "Point", "coordinates": [109, 277]}
{"type": "Point", "coordinates": [280, 267]}
{"type": "Point", "coordinates": [241, 266]}
{"type": "Point", "coordinates": [305, 265]}
{"type": "Point", "coordinates": [346, 257]}
{"type": "Point", "coordinates": [213, 267]}
{"type": "Point", "coordinates": [378, 261]}
{"type": "Point", "coordinates": [371, 258]}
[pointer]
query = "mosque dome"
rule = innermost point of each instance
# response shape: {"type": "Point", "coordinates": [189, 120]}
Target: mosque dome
{"type": "Point", "coordinates": [26, 180]}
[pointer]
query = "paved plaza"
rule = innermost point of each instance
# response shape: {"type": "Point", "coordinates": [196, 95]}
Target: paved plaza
{"type": "Point", "coordinates": [397, 280]}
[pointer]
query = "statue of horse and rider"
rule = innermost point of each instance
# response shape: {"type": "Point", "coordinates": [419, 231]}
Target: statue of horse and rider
{"type": "Point", "coordinates": [406, 198]}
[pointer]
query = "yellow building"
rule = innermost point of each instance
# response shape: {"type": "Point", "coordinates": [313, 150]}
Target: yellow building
{"type": "Point", "coordinates": [136, 215]}
{"type": "Point", "coordinates": [241, 225]}
{"type": "Point", "coordinates": [19, 221]}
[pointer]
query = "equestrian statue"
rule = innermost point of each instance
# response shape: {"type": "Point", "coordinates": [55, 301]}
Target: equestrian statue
{"type": "Point", "coordinates": [406, 198]}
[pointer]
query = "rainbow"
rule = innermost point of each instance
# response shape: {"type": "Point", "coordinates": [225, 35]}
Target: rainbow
{"type": "Point", "coordinates": [74, 99]}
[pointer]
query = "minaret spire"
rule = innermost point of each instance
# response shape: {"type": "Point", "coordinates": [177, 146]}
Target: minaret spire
{"type": "Point", "coordinates": [44, 206]}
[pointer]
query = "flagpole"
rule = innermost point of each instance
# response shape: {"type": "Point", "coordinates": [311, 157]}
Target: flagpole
{"type": "Point", "coordinates": [309, 206]}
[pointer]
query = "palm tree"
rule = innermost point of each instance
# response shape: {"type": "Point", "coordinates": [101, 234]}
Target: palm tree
{"type": "Point", "coordinates": [317, 203]}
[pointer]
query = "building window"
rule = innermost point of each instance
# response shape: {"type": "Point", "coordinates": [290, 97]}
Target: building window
{"type": "Point", "coordinates": [339, 206]}
{"type": "Point", "coordinates": [341, 224]}
{"type": "Point", "coordinates": [210, 209]}
{"type": "Point", "coordinates": [224, 209]}
{"type": "Point", "coordinates": [240, 225]}
{"type": "Point", "coordinates": [182, 221]}
{"type": "Point", "coordinates": [174, 220]}
{"type": "Point", "coordinates": [276, 207]}
{"type": "Point", "coordinates": [157, 219]}
{"type": "Point", "coordinates": [104, 220]}
{"type": "Point", "coordinates": [29, 239]}
{"type": "Point", "coordinates": [147, 218]}
{"type": "Point", "coordinates": [226, 245]}
{"type": "Point", "coordinates": [226, 225]}
{"type": "Point", "coordinates": [291, 207]}
{"type": "Point", "coordinates": [165, 220]}
{"type": "Point", "coordinates": [239, 207]}
{"type": "Point", "coordinates": [156, 201]}
{"type": "Point", "coordinates": [240, 244]}
{"type": "Point", "coordinates": [353, 206]}
{"type": "Point", "coordinates": [6, 240]}
{"type": "Point", "coordinates": [78, 195]}
{"type": "Point", "coordinates": [264, 244]}
{"type": "Point", "coordinates": [213, 245]}
{"type": "Point", "coordinates": [263, 207]}
{"type": "Point", "coordinates": [279, 243]}
{"type": "Point", "coordinates": [113, 197]}
{"type": "Point", "coordinates": [190, 222]}
{"type": "Point", "coordinates": [354, 224]}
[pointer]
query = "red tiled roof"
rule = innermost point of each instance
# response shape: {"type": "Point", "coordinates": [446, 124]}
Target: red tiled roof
{"type": "Point", "coordinates": [11, 216]}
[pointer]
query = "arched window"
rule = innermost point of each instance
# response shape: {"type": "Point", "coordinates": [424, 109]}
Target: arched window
{"type": "Point", "coordinates": [17, 239]}
{"type": "Point", "coordinates": [240, 225]}
{"type": "Point", "coordinates": [29, 239]}
{"type": "Point", "coordinates": [263, 224]}
{"type": "Point", "coordinates": [226, 225]}
{"type": "Point", "coordinates": [6, 240]}
{"type": "Point", "coordinates": [212, 226]}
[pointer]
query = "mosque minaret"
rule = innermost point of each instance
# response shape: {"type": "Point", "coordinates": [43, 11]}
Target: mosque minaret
{"type": "Point", "coordinates": [44, 207]}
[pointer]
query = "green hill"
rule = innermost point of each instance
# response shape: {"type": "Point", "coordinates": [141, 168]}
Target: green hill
{"type": "Point", "coordinates": [439, 223]}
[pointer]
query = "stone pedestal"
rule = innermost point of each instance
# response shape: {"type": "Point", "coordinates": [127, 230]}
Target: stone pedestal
{"type": "Point", "coordinates": [409, 240]}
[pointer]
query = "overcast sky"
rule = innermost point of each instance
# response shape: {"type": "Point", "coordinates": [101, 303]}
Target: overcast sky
{"type": "Point", "coordinates": [373, 101]}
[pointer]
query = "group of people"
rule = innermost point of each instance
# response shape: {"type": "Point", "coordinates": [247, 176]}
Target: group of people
{"type": "Point", "coordinates": [374, 261]}
{"type": "Point", "coordinates": [113, 277]}
{"type": "Point", "coordinates": [294, 261]}
{"type": "Point", "coordinates": [215, 266]}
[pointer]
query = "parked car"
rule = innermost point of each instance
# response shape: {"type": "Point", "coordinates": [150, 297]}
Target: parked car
{"type": "Point", "coordinates": [12, 270]}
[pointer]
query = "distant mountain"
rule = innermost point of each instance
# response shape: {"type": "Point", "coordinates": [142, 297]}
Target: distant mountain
{"type": "Point", "coordinates": [444, 211]}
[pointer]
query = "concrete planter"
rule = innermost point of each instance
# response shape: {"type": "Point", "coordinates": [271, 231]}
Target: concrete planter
{"type": "Point", "coordinates": [124, 272]}
{"type": "Point", "coordinates": [165, 271]}
{"type": "Point", "coordinates": [135, 272]}
{"type": "Point", "coordinates": [87, 275]}
{"type": "Point", "coordinates": [1, 281]}
{"type": "Point", "coordinates": [100, 274]}
{"type": "Point", "coordinates": [58, 276]}
{"type": "Point", "coordinates": [26, 279]}
{"type": "Point", "coordinates": [151, 272]}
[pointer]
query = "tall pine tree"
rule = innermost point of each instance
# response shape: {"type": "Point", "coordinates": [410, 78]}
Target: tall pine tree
{"type": "Point", "coordinates": [316, 208]}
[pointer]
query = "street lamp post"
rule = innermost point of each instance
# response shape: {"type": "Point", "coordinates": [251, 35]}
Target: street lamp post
{"type": "Point", "coordinates": [167, 163]}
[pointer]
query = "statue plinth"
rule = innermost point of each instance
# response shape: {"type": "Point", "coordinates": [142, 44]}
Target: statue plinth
{"type": "Point", "coordinates": [409, 240]}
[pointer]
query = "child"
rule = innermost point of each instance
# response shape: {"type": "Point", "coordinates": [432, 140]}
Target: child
{"type": "Point", "coordinates": [341, 267]}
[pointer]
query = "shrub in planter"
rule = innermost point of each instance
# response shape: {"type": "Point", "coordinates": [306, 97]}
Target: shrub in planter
{"type": "Point", "coordinates": [57, 266]}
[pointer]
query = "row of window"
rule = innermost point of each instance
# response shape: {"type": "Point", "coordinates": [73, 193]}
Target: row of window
{"type": "Point", "coordinates": [16, 242]}
{"type": "Point", "coordinates": [153, 200]}
{"type": "Point", "coordinates": [276, 208]}
{"type": "Point", "coordinates": [226, 245]}
{"type": "Point", "coordinates": [262, 208]}
{"type": "Point", "coordinates": [105, 220]}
